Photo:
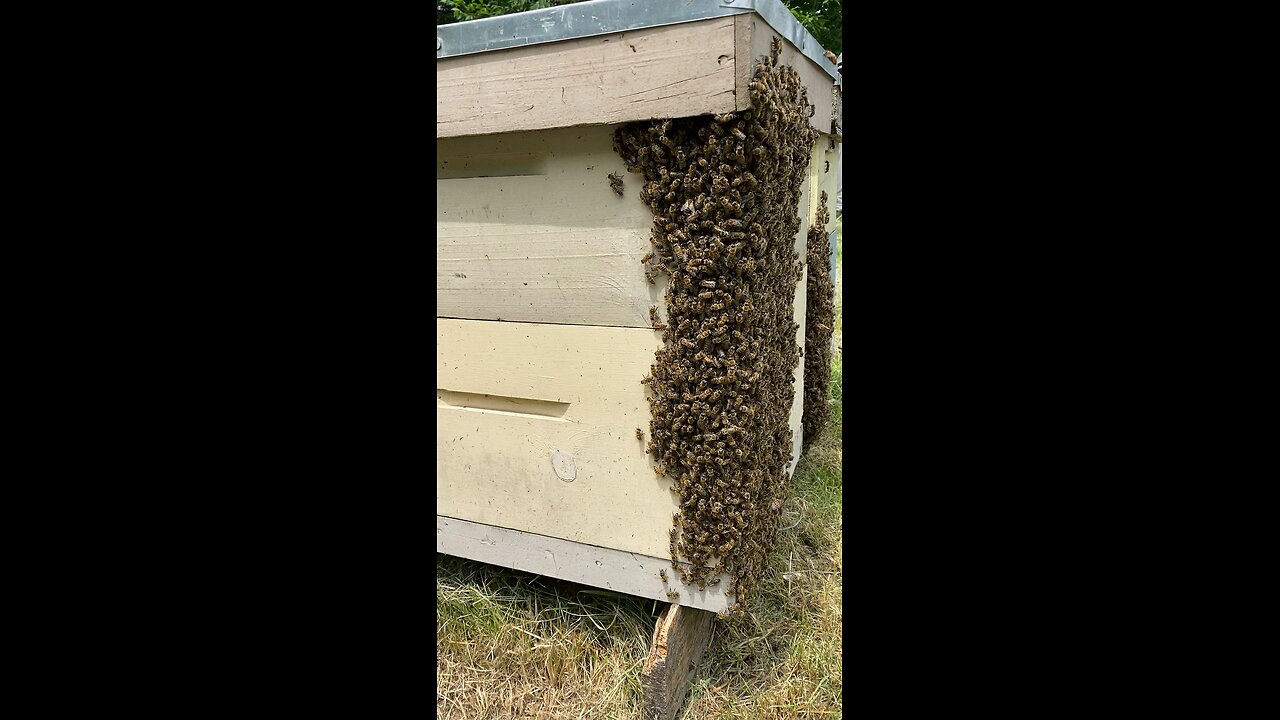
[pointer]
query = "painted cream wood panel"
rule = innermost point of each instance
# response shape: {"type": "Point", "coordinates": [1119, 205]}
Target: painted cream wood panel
{"type": "Point", "coordinates": [528, 229]}
{"type": "Point", "coordinates": [672, 71]}
{"type": "Point", "coordinates": [796, 419]}
{"type": "Point", "coordinates": [535, 431]}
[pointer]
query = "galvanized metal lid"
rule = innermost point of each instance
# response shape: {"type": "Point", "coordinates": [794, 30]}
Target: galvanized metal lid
{"type": "Point", "coordinates": [601, 17]}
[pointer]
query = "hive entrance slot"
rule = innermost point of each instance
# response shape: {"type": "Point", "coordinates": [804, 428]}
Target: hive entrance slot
{"type": "Point", "coordinates": [483, 402]}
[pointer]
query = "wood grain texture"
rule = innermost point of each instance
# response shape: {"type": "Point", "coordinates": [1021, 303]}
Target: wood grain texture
{"type": "Point", "coordinates": [744, 64]}
{"type": "Point", "coordinates": [671, 71]}
{"type": "Point", "coordinates": [617, 570]}
{"type": "Point", "coordinates": [680, 637]}
{"type": "Point", "coordinates": [528, 229]}
{"type": "Point", "coordinates": [755, 35]}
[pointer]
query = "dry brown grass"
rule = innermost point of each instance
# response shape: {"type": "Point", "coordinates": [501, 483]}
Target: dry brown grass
{"type": "Point", "coordinates": [515, 645]}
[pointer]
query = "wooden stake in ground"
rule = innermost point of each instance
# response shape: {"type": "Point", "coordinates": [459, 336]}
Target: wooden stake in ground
{"type": "Point", "coordinates": [679, 639]}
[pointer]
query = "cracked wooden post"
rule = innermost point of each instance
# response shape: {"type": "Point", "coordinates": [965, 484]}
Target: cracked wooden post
{"type": "Point", "coordinates": [679, 639]}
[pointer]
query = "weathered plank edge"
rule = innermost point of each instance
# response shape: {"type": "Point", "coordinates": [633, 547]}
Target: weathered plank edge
{"type": "Point", "coordinates": [595, 78]}
{"type": "Point", "coordinates": [617, 570]}
{"type": "Point", "coordinates": [752, 36]}
{"type": "Point", "coordinates": [680, 637]}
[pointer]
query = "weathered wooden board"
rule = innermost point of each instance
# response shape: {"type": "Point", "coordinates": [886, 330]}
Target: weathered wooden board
{"type": "Point", "coordinates": [529, 229]}
{"type": "Point", "coordinates": [694, 68]}
{"type": "Point", "coordinates": [680, 637]}
{"type": "Point", "coordinates": [670, 71]}
{"type": "Point", "coordinates": [752, 39]}
{"type": "Point", "coordinates": [624, 572]}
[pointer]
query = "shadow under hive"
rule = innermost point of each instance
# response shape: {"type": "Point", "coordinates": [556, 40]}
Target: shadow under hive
{"type": "Point", "coordinates": [725, 192]}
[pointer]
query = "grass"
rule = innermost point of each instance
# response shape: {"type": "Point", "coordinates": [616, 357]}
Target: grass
{"type": "Point", "coordinates": [516, 645]}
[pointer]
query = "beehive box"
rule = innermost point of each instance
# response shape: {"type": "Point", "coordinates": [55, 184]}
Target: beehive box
{"type": "Point", "coordinates": [543, 326]}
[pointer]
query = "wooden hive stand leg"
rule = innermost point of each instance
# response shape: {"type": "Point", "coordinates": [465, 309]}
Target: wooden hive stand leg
{"type": "Point", "coordinates": [679, 639]}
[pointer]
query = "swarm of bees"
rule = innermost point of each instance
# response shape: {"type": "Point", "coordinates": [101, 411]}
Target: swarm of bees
{"type": "Point", "coordinates": [819, 324]}
{"type": "Point", "coordinates": [725, 192]}
{"type": "Point", "coordinates": [615, 182]}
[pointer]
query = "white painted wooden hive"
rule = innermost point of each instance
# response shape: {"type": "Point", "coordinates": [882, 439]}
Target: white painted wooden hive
{"type": "Point", "coordinates": [542, 328]}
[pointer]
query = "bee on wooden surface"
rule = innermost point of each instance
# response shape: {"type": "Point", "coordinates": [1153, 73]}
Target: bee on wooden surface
{"type": "Point", "coordinates": [639, 434]}
{"type": "Point", "coordinates": [662, 573]}
{"type": "Point", "coordinates": [673, 594]}
{"type": "Point", "coordinates": [615, 182]}
{"type": "Point", "coordinates": [744, 175]}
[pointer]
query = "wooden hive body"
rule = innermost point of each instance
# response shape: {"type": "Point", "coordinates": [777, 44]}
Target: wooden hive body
{"type": "Point", "coordinates": [542, 327]}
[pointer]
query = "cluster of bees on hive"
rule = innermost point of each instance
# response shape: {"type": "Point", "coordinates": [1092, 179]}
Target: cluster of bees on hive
{"type": "Point", "coordinates": [819, 324]}
{"type": "Point", "coordinates": [725, 192]}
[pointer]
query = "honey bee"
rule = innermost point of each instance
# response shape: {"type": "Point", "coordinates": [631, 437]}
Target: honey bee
{"type": "Point", "coordinates": [639, 434]}
{"type": "Point", "coordinates": [615, 182]}
{"type": "Point", "coordinates": [662, 573]}
{"type": "Point", "coordinates": [673, 594]}
{"type": "Point", "coordinates": [728, 302]}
